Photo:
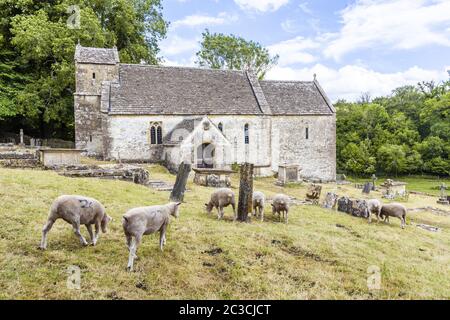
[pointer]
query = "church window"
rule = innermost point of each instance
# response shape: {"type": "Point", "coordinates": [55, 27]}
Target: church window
{"type": "Point", "coordinates": [156, 133]}
{"type": "Point", "coordinates": [93, 75]}
{"type": "Point", "coordinates": [246, 133]}
{"type": "Point", "coordinates": [220, 126]}
{"type": "Point", "coordinates": [307, 133]}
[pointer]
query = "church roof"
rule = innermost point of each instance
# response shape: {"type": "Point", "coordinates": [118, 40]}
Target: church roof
{"type": "Point", "coordinates": [144, 89]}
{"type": "Point", "coordinates": [96, 55]}
{"type": "Point", "coordinates": [296, 97]}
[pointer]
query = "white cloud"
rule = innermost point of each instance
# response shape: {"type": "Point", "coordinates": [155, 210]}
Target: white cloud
{"type": "Point", "coordinates": [398, 24]}
{"type": "Point", "coordinates": [350, 81]}
{"type": "Point", "coordinates": [305, 8]}
{"type": "Point", "coordinates": [290, 26]}
{"type": "Point", "coordinates": [294, 51]}
{"type": "Point", "coordinates": [175, 45]}
{"type": "Point", "coordinates": [261, 5]}
{"type": "Point", "coordinates": [205, 20]}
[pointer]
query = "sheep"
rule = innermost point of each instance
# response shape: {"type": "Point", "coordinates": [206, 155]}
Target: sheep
{"type": "Point", "coordinates": [146, 220]}
{"type": "Point", "coordinates": [219, 199]}
{"type": "Point", "coordinates": [77, 210]}
{"type": "Point", "coordinates": [259, 201]}
{"type": "Point", "coordinates": [280, 205]}
{"type": "Point", "coordinates": [394, 210]}
{"type": "Point", "coordinates": [373, 207]}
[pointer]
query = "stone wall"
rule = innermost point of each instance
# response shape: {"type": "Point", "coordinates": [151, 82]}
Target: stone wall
{"type": "Point", "coordinates": [315, 155]}
{"type": "Point", "coordinates": [89, 122]}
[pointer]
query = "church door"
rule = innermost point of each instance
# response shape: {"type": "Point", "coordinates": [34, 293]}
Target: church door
{"type": "Point", "coordinates": [205, 156]}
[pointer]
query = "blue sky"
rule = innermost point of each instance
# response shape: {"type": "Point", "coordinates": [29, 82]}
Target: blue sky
{"type": "Point", "coordinates": [354, 46]}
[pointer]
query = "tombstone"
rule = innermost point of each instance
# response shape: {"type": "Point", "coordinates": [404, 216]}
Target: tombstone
{"type": "Point", "coordinates": [245, 192]}
{"type": "Point", "coordinates": [367, 188]}
{"type": "Point", "coordinates": [344, 205]}
{"type": "Point", "coordinates": [330, 201]}
{"type": "Point", "coordinates": [359, 209]}
{"type": "Point", "coordinates": [443, 199]}
{"type": "Point", "coordinates": [177, 194]}
{"type": "Point", "coordinates": [374, 179]}
{"type": "Point", "coordinates": [21, 138]}
{"type": "Point", "coordinates": [313, 193]}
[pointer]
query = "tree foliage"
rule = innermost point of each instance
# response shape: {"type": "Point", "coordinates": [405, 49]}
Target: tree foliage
{"type": "Point", "coordinates": [37, 49]}
{"type": "Point", "coordinates": [404, 133]}
{"type": "Point", "coordinates": [220, 51]}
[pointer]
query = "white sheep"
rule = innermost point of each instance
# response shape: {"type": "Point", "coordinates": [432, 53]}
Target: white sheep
{"type": "Point", "coordinates": [144, 221]}
{"type": "Point", "coordinates": [374, 207]}
{"type": "Point", "coordinates": [280, 205]}
{"type": "Point", "coordinates": [259, 201]}
{"type": "Point", "coordinates": [219, 199]}
{"type": "Point", "coordinates": [77, 210]}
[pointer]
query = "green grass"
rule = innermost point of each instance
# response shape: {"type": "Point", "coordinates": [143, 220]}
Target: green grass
{"type": "Point", "coordinates": [425, 184]}
{"type": "Point", "coordinates": [320, 254]}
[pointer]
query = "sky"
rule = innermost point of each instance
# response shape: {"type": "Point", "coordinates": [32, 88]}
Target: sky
{"type": "Point", "coordinates": [353, 46]}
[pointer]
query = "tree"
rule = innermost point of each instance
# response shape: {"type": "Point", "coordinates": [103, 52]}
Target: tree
{"type": "Point", "coordinates": [219, 51]}
{"type": "Point", "coordinates": [37, 49]}
{"type": "Point", "coordinates": [392, 159]}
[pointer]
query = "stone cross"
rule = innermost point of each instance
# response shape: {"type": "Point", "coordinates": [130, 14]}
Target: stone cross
{"type": "Point", "coordinates": [21, 138]}
{"type": "Point", "coordinates": [374, 179]}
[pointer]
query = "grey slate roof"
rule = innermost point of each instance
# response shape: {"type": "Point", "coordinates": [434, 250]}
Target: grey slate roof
{"type": "Point", "coordinates": [295, 97]}
{"type": "Point", "coordinates": [144, 89]}
{"type": "Point", "coordinates": [96, 55]}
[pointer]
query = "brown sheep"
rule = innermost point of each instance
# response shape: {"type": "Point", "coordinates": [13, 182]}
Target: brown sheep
{"type": "Point", "coordinates": [394, 210]}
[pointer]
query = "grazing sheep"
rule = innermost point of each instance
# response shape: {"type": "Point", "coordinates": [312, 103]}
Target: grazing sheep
{"type": "Point", "coordinates": [259, 201]}
{"type": "Point", "coordinates": [219, 199]}
{"type": "Point", "coordinates": [146, 220]}
{"type": "Point", "coordinates": [77, 210]}
{"type": "Point", "coordinates": [394, 210]}
{"type": "Point", "coordinates": [280, 205]}
{"type": "Point", "coordinates": [373, 207]}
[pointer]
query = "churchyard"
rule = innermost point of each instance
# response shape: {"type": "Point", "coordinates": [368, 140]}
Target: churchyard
{"type": "Point", "coordinates": [319, 254]}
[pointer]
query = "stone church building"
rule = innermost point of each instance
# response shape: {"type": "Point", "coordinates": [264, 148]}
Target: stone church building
{"type": "Point", "coordinates": [209, 118]}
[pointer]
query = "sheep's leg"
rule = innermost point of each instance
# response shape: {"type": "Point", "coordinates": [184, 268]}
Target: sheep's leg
{"type": "Point", "coordinates": [162, 237]}
{"type": "Point", "coordinates": [97, 233]}
{"type": "Point", "coordinates": [45, 231]}
{"type": "Point", "coordinates": [131, 256]}
{"type": "Point", "coordinates": [91, 233]}
{"type": "Point", "coordinates": [135, 242]}
{"type": "Point", "coordinates": [261, 212]}
{"type": "Point", "coordinates": [129, 238]}
{"type": "Point", "coordinates": [287, 218]}
{"type": "Point", "coordinates": [76, 230]}
{"type": "Point", "coordinates": [234, 211]}
{"type": "Point", "coordinates": [219, 212]}
{"type": "Point", "coordinates": [403, 220]}
{"type": "Point", "coordinates": [370, 217]}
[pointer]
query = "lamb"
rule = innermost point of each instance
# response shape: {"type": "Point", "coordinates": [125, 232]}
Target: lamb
{"type": "Point", "coordinates": [259, 201]}
{"type": "Point", "coordinates": [280, 205]}
{"type": "Point", "coordinates": [394, 210]}
{"type": "Point", "coordinates": [146, 220]}
{"type": "Point", "coordinates": [219, 199]}
{"type": "Point", "coordinates": [374, 207]}
{"type": "Point", "coordinates": [77, 210]}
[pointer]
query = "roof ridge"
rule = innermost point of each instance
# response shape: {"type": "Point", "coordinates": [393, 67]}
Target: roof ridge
{"type": "Point", "coordinates": [288, 81]}
{"type": "Point", "coordinates": [155, 66]}
{"type": "Point", "coordinates": [324, 96]}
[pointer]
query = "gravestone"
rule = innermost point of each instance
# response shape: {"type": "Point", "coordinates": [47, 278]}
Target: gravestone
{"type": "Point", "coordinates": [245, 192]}
{"type": "Point", "coordinates": [367, 187]}
{"type": "Point", "coordinates": [330, 200]}
{"type": "Point", "coordinates": [177, 194]}
{"type": "Point", "coordinates": [443, 199]}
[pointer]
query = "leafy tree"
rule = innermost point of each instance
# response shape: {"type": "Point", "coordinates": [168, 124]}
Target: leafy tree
{"type": "Point", "coordinates": [392, 159]}
{"type": "Point", "coordinates": [37, 49]}
{"type": "Point", "coordinates": [220, 51]}
{"type": "Point", "coordinates": [357, 159]}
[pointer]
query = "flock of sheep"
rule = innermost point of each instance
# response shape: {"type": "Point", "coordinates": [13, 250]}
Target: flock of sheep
{"type": "Point", "coordinates": [80, 210]}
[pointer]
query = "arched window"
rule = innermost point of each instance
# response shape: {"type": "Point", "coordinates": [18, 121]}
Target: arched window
{"type": "Point", "coordinates": [156, 133]}
{"type": "Point", "coordinates": [220, 126]}
{"type": "Point", "coordinates": [246, 131]}
{"type": "Point", "coordinates": [153, 135]}
{"type": "Point", "coordinates": [307, 133]}
{"type": "Point", "coordinates": [93, 75]}
{"type": "Point", "coordinates": [159, 135]}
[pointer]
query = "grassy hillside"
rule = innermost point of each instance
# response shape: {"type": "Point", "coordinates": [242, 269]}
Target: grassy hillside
{"type": "Point", "coordinates": [320, 254]}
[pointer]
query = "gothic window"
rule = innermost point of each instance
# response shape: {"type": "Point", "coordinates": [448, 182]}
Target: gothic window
{"type": "Point", "coordinates": [93, 76]}
{"type": "Point", "coordinates": [156, 133]}
{"type": "Point", "coordinates": [220, 126]}
{"type": "Point", "coordinates": [246, 133]}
